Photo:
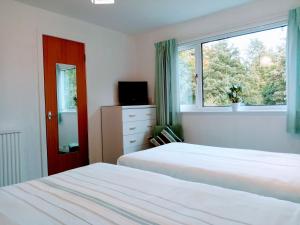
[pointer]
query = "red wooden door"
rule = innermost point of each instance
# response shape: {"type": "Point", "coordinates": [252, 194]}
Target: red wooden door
{"type": "Point", "coordinates": [65, 104]}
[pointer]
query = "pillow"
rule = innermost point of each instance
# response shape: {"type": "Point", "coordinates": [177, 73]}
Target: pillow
{"type": "Point", "coordinates": [177, 129]}
{"type": "Point", "coordinates": [166, 136]}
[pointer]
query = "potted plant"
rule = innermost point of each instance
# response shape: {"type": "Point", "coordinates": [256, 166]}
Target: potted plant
{"type": "Point", "coordinates": [235, 96]}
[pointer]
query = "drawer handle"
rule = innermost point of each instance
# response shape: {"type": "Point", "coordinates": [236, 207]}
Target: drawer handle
{"type": "Point", "coordinates": [150, 126]}
{"type": "Point", "coordinates": [132, 128]}
{"type": "Point", "coordinates": [133, 141]}
{"type": "Point", "coordinates": [131, 116]}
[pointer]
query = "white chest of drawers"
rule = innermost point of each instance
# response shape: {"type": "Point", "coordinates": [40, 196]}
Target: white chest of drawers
{"type": "Point", "coordinates": [125, 129]}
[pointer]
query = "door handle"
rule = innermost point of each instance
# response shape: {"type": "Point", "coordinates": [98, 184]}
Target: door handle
{"type": "Point", "coordinates": [50, 115]}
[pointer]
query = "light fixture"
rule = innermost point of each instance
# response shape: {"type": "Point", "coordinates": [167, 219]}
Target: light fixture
{"type": "Point", "coordinates": [96, 2]}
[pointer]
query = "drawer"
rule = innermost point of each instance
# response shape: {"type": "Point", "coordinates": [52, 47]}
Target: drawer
{"type": "Point", "coordinates": [139, 114]}
{"type": "Point", "coordinates": [144, 126]}
{"type": "Point", "coordinates": [133, 149]}
{"type": "Point", "coordinates": [135, 139]}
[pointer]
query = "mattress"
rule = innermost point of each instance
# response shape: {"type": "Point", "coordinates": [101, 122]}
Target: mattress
{"type": "Point", "coordinates": [109, 194]}
{"type": "Point", "coordinates": [264, 173]}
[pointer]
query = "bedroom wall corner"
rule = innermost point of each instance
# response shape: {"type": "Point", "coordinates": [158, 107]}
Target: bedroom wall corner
{"type": "Point", "coordinates": [110, 57]}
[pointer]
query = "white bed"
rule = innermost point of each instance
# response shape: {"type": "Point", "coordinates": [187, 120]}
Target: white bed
{"type": "Point", "coordinates": [108, 194]}
{"type": "Point", "coordinates": [264, 173]}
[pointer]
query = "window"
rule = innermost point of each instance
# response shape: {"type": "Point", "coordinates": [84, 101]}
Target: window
{"type": "Point", "coordinates": [66, 88]}
{"type": "Point", "coordinates": [187, 81]}
{"type": "Point", "coordinates": [255, 60]}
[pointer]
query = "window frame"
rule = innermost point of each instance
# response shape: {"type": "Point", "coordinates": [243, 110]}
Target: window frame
{"type": "Point", "coordinates": [197, 45]}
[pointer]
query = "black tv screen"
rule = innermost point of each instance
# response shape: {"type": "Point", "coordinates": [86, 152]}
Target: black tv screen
{"type": "Point", "coordinates": [133, 93]}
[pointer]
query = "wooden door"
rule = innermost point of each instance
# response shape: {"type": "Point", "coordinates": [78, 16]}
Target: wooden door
{"type": "Point", "coordinates": [66, 104]}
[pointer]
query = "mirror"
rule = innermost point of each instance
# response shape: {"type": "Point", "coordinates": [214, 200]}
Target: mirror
{"type": "Point", "coordinates": [67, 108]}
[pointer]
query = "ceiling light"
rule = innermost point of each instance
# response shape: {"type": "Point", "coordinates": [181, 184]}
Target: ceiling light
{"type": "Point", "coordinates": [103, 1]}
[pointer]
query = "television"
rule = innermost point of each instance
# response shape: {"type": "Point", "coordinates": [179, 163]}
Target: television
{"type": "Point", "coordinates": [133, 93]}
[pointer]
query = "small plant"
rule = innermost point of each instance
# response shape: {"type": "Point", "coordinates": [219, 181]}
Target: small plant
{"type": "Point", "coordinates": [235, 94]}
{"type": "Point", "coordinates": [75, 99]}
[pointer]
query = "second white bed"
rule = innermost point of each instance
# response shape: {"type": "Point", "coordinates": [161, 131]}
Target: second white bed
{"type": "Point", "coordinates": [264, 173]}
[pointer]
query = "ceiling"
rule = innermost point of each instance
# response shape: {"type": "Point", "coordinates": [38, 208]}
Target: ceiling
{"type": "Point", "coordinates": [135, 16]}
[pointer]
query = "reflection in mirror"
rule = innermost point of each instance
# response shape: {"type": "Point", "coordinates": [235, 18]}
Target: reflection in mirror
{"type": "Point", "coordinates": [67, 108]}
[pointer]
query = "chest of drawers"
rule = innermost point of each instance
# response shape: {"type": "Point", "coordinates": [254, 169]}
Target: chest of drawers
{"type": "Point", "coordinates": [125, 129]}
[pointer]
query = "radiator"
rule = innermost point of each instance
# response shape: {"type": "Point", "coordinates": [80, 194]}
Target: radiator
{"type": "Point", "coordinates": [10, 158]}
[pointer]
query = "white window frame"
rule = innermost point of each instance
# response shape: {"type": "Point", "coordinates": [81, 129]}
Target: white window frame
{"type": "Point", "coordinates": [197, 45]}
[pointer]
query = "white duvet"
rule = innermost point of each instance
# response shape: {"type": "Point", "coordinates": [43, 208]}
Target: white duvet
{"type": "Point", "coordinates": [107, 194]}
{"type": "Point", "coordinates": [264, 173]}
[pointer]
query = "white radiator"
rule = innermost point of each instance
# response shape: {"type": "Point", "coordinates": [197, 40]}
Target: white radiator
{"type": "Point", "coordinates": [10, 159]}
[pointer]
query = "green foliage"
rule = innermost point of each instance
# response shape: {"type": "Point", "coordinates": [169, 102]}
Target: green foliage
{"type": "Point", "coordinates": [222, 67]}
{"type": "Point", "coordinates": [235, 94]}
{"type": "Point", "coordinates": [261, 73]}
{"type": "Point", "coordinates": [70, 88]}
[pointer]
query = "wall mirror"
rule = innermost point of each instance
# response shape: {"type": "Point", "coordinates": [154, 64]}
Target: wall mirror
{"type": "Point", "coordinates": [67, 108]}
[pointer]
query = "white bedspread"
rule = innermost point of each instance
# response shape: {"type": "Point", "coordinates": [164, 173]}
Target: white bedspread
{"type": "Point", "coordinates": [265, 173]}
{"type": "Point", "coordinates": [107, 194]}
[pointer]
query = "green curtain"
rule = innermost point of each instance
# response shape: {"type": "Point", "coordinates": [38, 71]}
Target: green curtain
{"type": "Point", "coordinates": [166, 85]}
{"type": "Point", "coordinates": [293, 72]}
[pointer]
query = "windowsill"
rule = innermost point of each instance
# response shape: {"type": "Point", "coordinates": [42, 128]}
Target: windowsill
{"type": "Point", "coordinates": [70, 111]}
{"type": "Point", "coordinates": [242, 109]}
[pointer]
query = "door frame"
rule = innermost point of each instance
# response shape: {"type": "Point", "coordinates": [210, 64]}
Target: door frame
{"type": "Point", "coordinates": [41, 94]}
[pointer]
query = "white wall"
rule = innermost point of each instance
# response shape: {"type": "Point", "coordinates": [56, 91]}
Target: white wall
{"type": "Point", "coordinates": [266, 131]}
{"type": "Point", "coordinates": [247, 130]}
{"type": "Point", "coordinates": [110, 57]}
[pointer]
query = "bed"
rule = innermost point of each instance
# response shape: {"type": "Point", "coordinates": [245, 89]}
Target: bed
{"type": "Point", "coordinates": [110, 194]}
{"type": "Point", "coordinates": [264, 173]}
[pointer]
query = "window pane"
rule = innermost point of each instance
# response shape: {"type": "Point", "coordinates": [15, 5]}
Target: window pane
{"type": "Point", "coordinates": [187, 81]}
{"type": "Point", "coordinates": [255, 61]}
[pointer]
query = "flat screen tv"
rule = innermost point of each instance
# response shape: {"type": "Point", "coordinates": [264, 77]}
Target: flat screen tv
{"type": "Point", "coordinates": [133, 93]}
